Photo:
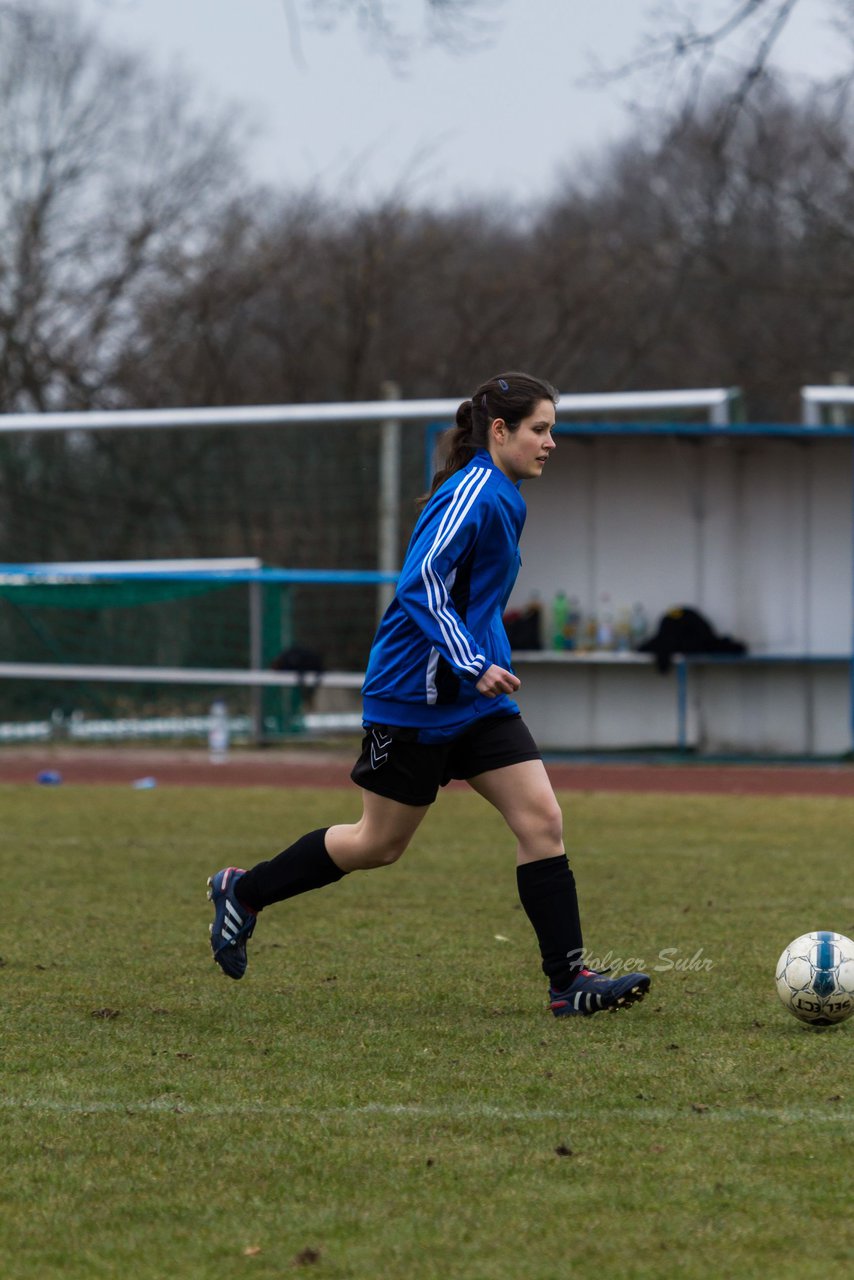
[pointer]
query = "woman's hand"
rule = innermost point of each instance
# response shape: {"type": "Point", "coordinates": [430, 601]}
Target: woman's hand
{"type": "Point", "coordinates": [495, 680]}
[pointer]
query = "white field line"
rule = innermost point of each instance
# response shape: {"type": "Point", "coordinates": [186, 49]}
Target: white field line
{"type": "Point", "coordinates": [826, 1114]}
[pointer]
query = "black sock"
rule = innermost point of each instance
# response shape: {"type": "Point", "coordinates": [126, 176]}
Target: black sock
{"type": "Point", "coordinates": [304, 865]}
{"type": "Point", "coordinates": [547, 892]}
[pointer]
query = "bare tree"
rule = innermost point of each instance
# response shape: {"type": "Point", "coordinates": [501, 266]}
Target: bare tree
{"type": "Point", "coordinates": [688, 47]}
{"type": "Point", "coordinates": [691, 266]}
{"type": "Point", "coordinates": [104, 172]}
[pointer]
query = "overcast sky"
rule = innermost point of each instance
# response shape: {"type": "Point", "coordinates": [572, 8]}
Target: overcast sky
{"type": "Point", "coordinates": [508, 118]}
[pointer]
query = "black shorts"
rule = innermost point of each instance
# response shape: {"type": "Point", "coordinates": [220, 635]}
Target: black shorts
{"type": "Point", "coordinates": [396, 765]}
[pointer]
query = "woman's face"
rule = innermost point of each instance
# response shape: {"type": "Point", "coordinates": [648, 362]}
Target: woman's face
{"type": "Point", "coordinates": [522, 454]}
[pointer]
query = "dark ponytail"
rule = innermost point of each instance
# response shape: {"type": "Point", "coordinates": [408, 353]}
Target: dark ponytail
{"type": "Point", "coordinates": [512, 396]}
{"type": "Point", "coordinates": [457, 447]}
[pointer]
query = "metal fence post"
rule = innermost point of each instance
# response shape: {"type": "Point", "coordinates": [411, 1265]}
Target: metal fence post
{"type": "Point", "coordinates": [388, 514]}
{"type": "Point", "coordinates": [256, 658]}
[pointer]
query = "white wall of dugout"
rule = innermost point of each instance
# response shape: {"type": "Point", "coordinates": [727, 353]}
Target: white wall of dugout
{"type": "Point", "coordinates": [755, 533]}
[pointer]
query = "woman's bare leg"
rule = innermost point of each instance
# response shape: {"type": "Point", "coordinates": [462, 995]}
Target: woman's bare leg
{"type": "Point", "coordinates": [378, 838]}
{"type": "Point", "coordinates": [523, 795]}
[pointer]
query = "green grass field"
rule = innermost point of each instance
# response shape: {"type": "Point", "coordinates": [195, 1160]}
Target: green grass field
{"type": "Point", "coordinates": [384, 1095]}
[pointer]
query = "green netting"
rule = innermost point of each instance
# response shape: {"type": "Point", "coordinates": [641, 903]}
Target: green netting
{"type": "Point", "coordinates": [141, 623]}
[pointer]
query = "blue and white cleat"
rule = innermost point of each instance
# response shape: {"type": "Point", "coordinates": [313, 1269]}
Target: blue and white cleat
{"type": "Point", "coordinates": [233, 923]}
{"type": "Point", "coordinates": [592, 992]}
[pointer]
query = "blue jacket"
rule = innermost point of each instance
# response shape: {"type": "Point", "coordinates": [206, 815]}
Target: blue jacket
{"type": "Point", "coordinates": [444, 626]}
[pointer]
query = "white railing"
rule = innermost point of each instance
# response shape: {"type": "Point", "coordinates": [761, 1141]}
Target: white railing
{"type": "Point", "coordinates": [716, 401]}
{"type": "Point", "coordinates": [73, 671]}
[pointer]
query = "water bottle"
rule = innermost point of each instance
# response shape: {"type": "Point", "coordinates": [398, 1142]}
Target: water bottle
{"type": "Point", "coordinates": [560, 612]}
{"type": "Point", "coordinates": [589, 633]}
{"type": "Point", "coordinates": [218, 732]}
{"type": "Point", "coordinates": [638, 625]}
{"type": "Point", "coordinates": [574, 619]}
{"type": "Point", "coordinates": [623, 631]}
{"type": "Point", "coordinates": [605, 623]}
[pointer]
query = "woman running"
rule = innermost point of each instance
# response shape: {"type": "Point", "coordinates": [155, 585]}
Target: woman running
{"type": "Point", "coordinates": [437, 705]}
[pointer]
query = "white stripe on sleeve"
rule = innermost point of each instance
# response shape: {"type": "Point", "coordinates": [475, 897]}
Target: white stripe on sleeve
{"type": "Point", "coordinates": [437, 595]}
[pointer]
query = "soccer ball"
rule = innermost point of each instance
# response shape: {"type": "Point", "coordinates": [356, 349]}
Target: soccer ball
{"type": "Point", "coordinates": [815, 978]}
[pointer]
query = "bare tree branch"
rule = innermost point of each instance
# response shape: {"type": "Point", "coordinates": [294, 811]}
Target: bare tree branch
{"type": "Point", "coordinates": [754, 72]}
{"type": "Point", "coordinates": [684, 41]}
{"type": "Point", "coordinates": [682, 52]}
{"type": "Point", "coordinates": [458, 26]}
{"type": "Point", "coordinates": [294, 32]}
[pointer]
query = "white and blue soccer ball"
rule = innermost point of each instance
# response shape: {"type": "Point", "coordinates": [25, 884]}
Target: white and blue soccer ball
{"type": "Point", "coordinates": [815, 978]}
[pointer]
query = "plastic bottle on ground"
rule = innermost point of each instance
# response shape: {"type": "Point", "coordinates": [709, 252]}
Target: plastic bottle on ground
{"type": "Point", "coordinates": [218, 732]}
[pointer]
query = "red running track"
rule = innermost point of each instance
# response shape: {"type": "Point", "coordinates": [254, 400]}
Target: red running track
{"type": "Point", "coordinates": [122, 766]}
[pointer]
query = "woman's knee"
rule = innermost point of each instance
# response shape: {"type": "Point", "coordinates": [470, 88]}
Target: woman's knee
{"type": "Point", "coordinates": [541, 825]}
{"type": "Point", "coordinates": [383, 851]}
{"type": "Point", "coordinates": [553, 823]}
{"type": "Point", "coordinates": [377, 844]}
{"type": "Point", "coordinates": [378, 839]}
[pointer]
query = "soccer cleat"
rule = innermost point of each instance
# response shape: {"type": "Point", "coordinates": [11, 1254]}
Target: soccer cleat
{"type": "Point", "coordinates": [232, 924]}
{"type": "Point", "coordinates": [592, 992]}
